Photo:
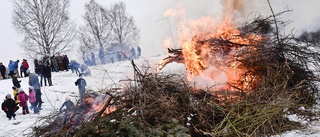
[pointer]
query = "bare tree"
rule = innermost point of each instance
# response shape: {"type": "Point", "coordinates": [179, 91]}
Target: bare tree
{"type": "Point", "coordinates": [85, 46]}
{"type": "Point", "coordinates": [96, 29]}
{"type": "Point", "coordinates": [45, 25]}
{"type": "Point", "coordinates": [123, 25]}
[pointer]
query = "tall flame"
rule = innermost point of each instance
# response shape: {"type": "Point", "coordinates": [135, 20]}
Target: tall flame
{"type": "Point", "coordinates": [207, 61]}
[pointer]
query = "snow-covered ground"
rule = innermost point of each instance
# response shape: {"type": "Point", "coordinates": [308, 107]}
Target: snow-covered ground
{"type": "Point", "coordinates": [102, 77]}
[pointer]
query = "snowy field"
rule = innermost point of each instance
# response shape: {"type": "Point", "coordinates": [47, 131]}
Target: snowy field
{"type": "Point", "coordinates": [102, 77]}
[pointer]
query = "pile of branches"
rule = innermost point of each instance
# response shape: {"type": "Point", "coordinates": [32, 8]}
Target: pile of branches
{"type": "Point", "coordinates": [282, 81]}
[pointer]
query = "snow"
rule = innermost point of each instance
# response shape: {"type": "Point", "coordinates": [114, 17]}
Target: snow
{"type": "Point", "coordinates": [102, 77]}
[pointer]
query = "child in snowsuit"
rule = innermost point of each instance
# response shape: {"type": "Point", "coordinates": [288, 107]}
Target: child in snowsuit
{"type": "Point", "coordinates": [15, 94]}
{"type": "Point", "coordinates": [23, 98]}
{"type": "Point", "coordinates": [32, 100]}
{"type": "Point", "coordinates": [9, 107]}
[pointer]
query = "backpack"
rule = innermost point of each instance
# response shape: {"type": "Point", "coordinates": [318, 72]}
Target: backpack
{"type": "Point", "coordinates": [3, 106]}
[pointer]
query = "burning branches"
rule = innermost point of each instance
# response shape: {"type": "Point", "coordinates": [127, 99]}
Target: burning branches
{"type": "Point", "coordinates": [271, 76]}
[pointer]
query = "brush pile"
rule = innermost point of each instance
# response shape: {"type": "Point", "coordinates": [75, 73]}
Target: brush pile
{"type": "Point", "coordinates": [279, 70]}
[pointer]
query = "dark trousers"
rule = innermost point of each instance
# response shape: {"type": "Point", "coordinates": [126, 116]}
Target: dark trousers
{"type": "Point", "coordinates": [10, 114]}
{"type": "Point", "coordinates": [38, 99]}
{"type": "Point", "coordinates": [34, 107]}
{"type": "Point", "coordinates": [25, 110]}
{"type": "Point", "coordinates": [3, 75]}
{"type": "Point", "coordinates": [49, 81]}
{"type": "Point", "coordinates": [45, 79]}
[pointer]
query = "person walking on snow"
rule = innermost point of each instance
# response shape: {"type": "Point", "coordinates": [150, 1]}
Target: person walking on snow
{"type": "Point", "coordinates": [81, 83]}
{"type": "Point", "coordinates": [9, 107]}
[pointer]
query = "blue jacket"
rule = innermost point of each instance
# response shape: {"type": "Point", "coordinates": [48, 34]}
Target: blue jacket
{"type": "Point", "coordinates": [34, 81]}
{"type": "Point", "coordinates": [11, 66]}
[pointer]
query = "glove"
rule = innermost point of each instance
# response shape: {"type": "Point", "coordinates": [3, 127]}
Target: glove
{"type": "Point", "coordinates": [6, 109]}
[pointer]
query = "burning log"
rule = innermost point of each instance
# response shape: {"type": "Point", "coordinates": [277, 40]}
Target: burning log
{"type": "Point", "coordinates": [275, 80]}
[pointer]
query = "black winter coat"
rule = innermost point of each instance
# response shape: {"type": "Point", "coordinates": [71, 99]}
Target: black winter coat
{"type": "Point", "coordinates": [16, 82]}
{"type": "Point", "coordinates": [47, 71]}
{"type": "Point", "coordinates": [9, 104]}
{"type": "Point", "coordinates": [2, 68]}
{"type": "Point", "coordinates": [41, 69]}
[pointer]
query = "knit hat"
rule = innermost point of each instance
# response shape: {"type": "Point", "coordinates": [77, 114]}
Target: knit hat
{"type": "Point", "coordinates": [19, 90]}
{"type": "Point", "coordinates": [8, 95]}
{"type": "Point", "coordinates": [31, 87]}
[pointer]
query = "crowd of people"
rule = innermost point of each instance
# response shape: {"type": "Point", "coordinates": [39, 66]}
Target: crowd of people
{"type": "Point", "coordinates": [42, 77]}
{"type": "Point", "coordinates": [43, 69]}
{"type": "Point", "coordinates": [113, 56]}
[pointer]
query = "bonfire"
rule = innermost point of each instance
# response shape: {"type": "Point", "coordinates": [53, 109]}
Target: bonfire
{"type": "Point", "coordinates": [257, 77]}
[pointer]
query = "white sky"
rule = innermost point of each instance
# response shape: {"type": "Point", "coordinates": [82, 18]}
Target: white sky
{"type": "Point", "coordinates": [306, 16]}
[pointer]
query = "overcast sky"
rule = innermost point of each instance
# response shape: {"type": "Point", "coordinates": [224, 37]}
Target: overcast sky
{"type": "Point", "coordinates": [305, 16]}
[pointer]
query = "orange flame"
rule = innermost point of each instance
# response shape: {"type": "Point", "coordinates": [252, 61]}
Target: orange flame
{"type": "Point", "coordinates": [200, 55]}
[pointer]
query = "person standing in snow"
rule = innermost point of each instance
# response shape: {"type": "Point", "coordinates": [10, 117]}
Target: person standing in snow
{"type": "Point", "coordinates": [93, 59]}
{"type": "Point", "coordinates": [25, 67]}
{"type": "Point", "coordinates": [16, 66]}
{"type": "Point", "coordinates": [33, 100]}
{"type": "Point", "coordinates": [42, 75]}
{"type": "Point", "coordinates": [15, 81]}
{"type": "Point", "coordinates": [81, 83]}
{"type": "Point", "coordinates": [119, 56]}
{"type": "Point", "coordinates": [11, 68]}
{"type": "Point", "coordinates": [9, 107]}
{"type": "Point", "coordinates": [47, 73]}
{"type": "Point", "coordinates": [15, 94]}
{"type": "Point", "coordinates": [139, 51]}
{"type": "Point", "coordinates": [23, 98]}
{"type": "Point", "coordinates": [34, 82]}
{"type": "Point", "coordinates": [111, 56]}
{"type": "Point", "coordinates": [3, 70]}
{"type": "Point", "coordinates": [133, 53]}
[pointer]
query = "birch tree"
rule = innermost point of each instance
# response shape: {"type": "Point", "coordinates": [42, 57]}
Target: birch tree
{"type": "Point", "coordinates": [123, 25]}
{"type": "Point", "coordinates": [96, 28]}
{"type": "Point", "coordinates": [45, 25]}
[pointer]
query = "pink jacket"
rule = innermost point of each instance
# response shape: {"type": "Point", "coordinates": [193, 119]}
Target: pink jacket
{"type": "Point", "coordinates": [32, 96]}
{"type": "Point", "coordinates": [23, 98]}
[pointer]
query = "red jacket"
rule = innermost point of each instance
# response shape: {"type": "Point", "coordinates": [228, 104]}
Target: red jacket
{"type": "Point", "coordinates": [25, 64]}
